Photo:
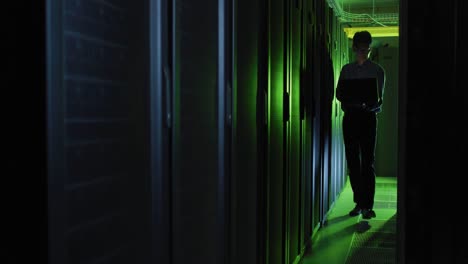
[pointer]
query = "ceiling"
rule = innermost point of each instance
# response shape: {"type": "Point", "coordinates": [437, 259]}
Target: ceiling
{"type": "Point", "coordinates": [369, 6]}
{"type": "Point", "coordinates": [366, 13]}
{"type": "Point", "coordinates": [379, 17]}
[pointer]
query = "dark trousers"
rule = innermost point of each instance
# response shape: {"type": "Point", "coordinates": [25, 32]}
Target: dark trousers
{"type": "Point", "coordinates": [359, 133]}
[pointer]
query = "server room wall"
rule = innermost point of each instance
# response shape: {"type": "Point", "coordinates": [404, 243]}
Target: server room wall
{"type": "Point", "coordinates": [153, 166]}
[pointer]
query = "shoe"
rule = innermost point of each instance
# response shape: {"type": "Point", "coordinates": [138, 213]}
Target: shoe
{"type": "Point", "coordinates": [356, 211]}
{"type": "Point", "coordinates": [368, 213]}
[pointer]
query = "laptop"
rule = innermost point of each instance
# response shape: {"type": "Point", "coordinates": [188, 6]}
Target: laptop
{"type": "Point", "coordinates": [358, 91]}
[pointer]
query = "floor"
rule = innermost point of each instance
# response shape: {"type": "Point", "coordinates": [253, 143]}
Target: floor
{"type": "Point", "coordinates": [348, 240]}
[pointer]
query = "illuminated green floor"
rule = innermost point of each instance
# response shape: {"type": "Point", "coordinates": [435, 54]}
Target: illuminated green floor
{"type": "Point", "coordinates": [348, 240]}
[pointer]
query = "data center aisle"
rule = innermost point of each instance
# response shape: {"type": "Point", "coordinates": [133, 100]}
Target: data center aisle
{"type": "Point", "coordinates": [348, 240]}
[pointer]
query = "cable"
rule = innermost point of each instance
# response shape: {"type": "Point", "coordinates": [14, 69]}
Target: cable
{"type": "Point", "coordinates": [347, 17]}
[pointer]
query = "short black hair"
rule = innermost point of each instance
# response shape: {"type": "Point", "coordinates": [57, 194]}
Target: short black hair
{"type": "Point", "coordinates": [363, 37]}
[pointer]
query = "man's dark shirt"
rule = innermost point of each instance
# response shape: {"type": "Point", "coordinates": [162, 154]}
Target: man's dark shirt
{"type": "Point", "coordinates": [368, 69]}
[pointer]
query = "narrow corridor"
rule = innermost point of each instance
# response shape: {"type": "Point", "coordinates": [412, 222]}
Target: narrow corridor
{"type": "Point", "coordinates": [209, 132]}
{"type": "Point", "coordinates": [344, 239]}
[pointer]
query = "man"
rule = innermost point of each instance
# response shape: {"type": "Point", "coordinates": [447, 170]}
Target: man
{"type": "Point", "coordinates": [360, 127]}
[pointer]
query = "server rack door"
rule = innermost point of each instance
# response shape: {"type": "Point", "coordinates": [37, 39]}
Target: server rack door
{"type": "Point", "coordinates": [97, 68]}
{"type": "Point", "coordinates": [287, 87]}
{"type": "Point", "coordinates": [308, 105]}
{"type": "Point", "coordinates": [161, 124]}
{"type": "Point", "coordinates": [293, 139]}
{"type": "Point", "coordinates": [263, 121]}
{"type": "Point", "coordinates": [291, 129]}
{"type": "Point", "coordinates": [334, 146]}
{"type": "Point", "coordinates": [327, 120]}
{"type": "Point", "coordinates": [327, 86]}
{"type": "Point", "coordinates": [55, 134]}
{"type": "Point", "coordinates": [199, 76]}
{"type": "Point", "coordinates": [276, 117]}
{"type": "Point", "coordinates": [316, 123]}
{"type": "Point", "coordinates": [344, 58]}
{"type": "Point", "coordinates": [323, 118]}
{"type": "Point", "coordinates": [246, 220]}
{"type": "Point", "coordinates": [340, 46]}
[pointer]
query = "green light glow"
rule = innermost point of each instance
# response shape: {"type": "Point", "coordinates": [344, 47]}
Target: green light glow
{"type": "Point", "coordinates": [276, 90]}
{"type": "Point", "coordinates": [375, 31]}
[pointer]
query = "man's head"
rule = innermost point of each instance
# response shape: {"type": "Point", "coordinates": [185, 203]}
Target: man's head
{"type": "Point", "coordinates": [361, 44]}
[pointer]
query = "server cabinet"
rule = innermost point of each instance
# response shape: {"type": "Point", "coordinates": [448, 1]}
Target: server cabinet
{"type": "Point", "coordinates": [263, 128]}
{"type": "Point", "coordinates": [199, 142]}
{"type": "Point", "coordinates": [248, 134]}
{"type": "Point", "coordinates": [160, 115]}
{"type": "Point", "coordinates": [326, 98]}
{"type": "Point", "coordinates": [98, 195]}
{"type": "Point", "coordinates": [292, 129]}
{"type": "Point", "coordinates": [307, 105]}
{"type": "Point", "coordinates": [320, 114]}
{"type": "Point", "coordinates": [317, 150]}
{"type": "Point", "coordinates": [277, 114]}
